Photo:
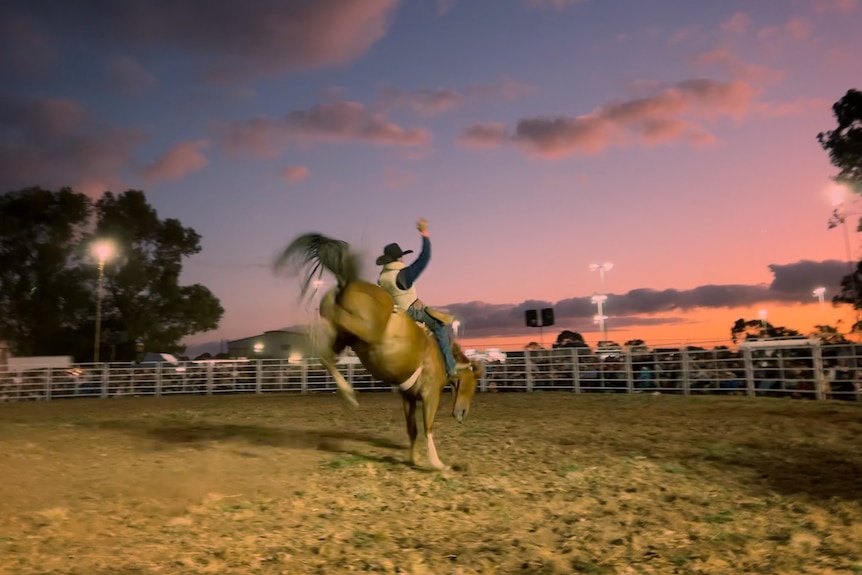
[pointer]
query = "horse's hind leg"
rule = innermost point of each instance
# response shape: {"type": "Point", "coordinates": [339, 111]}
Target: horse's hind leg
{"type": "Point", "coordinates": [412, 428]}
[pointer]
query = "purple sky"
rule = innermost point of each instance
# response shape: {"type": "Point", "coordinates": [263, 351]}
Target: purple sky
{"type": "Point", "coordinates": [675, 138]}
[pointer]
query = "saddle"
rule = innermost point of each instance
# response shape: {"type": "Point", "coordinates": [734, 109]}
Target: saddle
{"type": "Point", "coordinates": [445, 318]}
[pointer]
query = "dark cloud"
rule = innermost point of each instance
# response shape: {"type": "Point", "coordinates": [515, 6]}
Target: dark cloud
{"type": "Point", "coordinates": [800, 278]}
{"type": "Point", "coordinates": [127, 77]}
{"type": "Point", "coordinates": [57, 142]}
{"type": "Point", "coordinates": [229, 39]}
{"type": "Point", "coordinates": [792, 283]}
{"type": "Point", "coordinates": [429, 101]}
{"type": "Point", "coordinates": [340, 121]}
{"type": "Point", "coordinates": [679, 112]}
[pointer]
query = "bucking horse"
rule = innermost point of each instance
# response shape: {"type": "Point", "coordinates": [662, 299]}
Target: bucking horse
{"type": "Point", "coordinates": [392, 346]}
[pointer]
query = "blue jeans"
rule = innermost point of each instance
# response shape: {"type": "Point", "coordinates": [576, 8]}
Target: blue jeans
{"type": "Point", "coordinates": [441, 333]}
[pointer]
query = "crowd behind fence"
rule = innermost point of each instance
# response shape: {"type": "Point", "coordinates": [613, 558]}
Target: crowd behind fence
{"type": "Point", "coordinates": [794, 370]}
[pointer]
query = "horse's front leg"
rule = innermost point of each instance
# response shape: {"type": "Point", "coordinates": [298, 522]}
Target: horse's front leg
{"type": "Point", "coordinates": [430, 403]}
{"type": "Point", "coordinates": [347, 392]}
{"type": "Point", "coordinates": [412, 427]}
{"type": "Point", "coordinates": [326, 345]}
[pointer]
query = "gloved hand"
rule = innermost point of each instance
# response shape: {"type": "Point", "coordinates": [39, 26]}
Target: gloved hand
{"type": "Point", "coordinates": [422, 226]}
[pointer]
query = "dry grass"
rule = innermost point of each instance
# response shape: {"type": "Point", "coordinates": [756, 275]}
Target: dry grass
{"type": "Point", "coordinates": [547, 483]}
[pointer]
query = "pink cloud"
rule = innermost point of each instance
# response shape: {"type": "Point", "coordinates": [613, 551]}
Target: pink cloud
{"type": "Point", "coordinates": [676, 113]}
{"type": "Point", "coordinates": [484, 135]}
{"type": "Point", "coordinates": [738, 69]}
{"type": "Point", "coordinates": [840, 6]}
{"type": "Point", "coordinates": [795, 29]}
{"type": "Point", "coordinates": [444, 6]}
{"type": "Point", "coordinates": [430, 101]}
{"type": "Point", "coordinates": [232, 40]}
{"type": "Point", "coordinates": [127, 76]}
{"type": "Point", "coordinates": [737, 24]}
{"type": "Point", "coordinates": [181, 160]}
{"type": "Point", "coordinates": [682, 35]}
{"type": "Point", "coordinates": [395, 178]}
{"type": "Point", "coordinates": [295, 173]}
{"type": "Point", "coordinates": [798, 28]}
{"type": "Point", "coordinates": [557, 4]}
{"type": "Point", "coordinates": [504, 89]}
{"type": "Point", "coordinates": [329, 122]}
{"type": "Point", "coordinates": [54, 142]}
{"type": "Point", "coordinates": [425, 102]}
{"type": "Point", "coordinates": [797, 107]}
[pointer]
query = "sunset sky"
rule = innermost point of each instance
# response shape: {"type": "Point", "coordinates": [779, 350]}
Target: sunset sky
{"type": "Point", "coordinates": [673, 138]}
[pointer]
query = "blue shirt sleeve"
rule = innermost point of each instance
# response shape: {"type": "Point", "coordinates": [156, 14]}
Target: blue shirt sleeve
{"type": "Point", "coordinates": [407, 276]}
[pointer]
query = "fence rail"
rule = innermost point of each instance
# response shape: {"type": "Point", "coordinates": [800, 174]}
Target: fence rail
{"type": "Point", "coordinates": [795, 370]}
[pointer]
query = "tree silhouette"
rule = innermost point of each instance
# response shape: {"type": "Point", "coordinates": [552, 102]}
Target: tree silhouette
{"type": "Point", "coordinates": [758, 329]}
{"type": "Point", "coordinates": [844, 145]}
{"type": "Point", "coordinates": [48, 275]}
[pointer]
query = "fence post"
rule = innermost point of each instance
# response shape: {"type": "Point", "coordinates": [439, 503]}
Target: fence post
{"type": "Point", "coordinates": [210, 378]}
{"type": "Point", "coordinates": [48, 384]}
{"type": "Point", "coordinates": [686, 371]}
{"type": "Point", "coordinates": [303, 377]}
{"type": "Point", "coordinates": [576, 369]}
{"type": "Point", "coordinates": [749, 371]}
{"type": "Point", "coordinates": [528, 365]}
{"type": "Point", "coordinates": [258, 376]}
{"type": "Point", "coordinates": [630, 376]}
{"type": "Point", "coordinates": [158, 382]}
{"type": "Point", "coordinates": [819, 373]}
{"type": "Point", "coordinates": [105, 377]}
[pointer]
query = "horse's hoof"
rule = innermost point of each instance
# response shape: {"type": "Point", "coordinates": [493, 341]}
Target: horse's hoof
{"type": "Point", "coordinates": [351, 400]}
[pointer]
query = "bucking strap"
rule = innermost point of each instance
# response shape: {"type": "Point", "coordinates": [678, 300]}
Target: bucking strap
{"type": "Point", "coordinates": [411, 381]}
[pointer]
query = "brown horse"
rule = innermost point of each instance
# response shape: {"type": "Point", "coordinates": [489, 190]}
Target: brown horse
{"type": "Point", "coordinates": [392, 346]}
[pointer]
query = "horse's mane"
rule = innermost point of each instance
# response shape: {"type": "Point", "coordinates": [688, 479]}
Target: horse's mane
{"type": "Point", "coordinates": [312, 253]}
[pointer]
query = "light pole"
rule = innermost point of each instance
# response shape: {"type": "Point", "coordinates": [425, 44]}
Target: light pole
{"type": "Point", "coordinates": [819, 294]}
{"type": "Point", "coordinates": [762, 314]}
{"type": "Point", "coordinates": [103, 250]}
{"type": "Point", "coordinates": [600, 317]}
{"type": "Point", "coordinates": [602, 268]}
{"type": "Point", "coordinates": [601, 298]}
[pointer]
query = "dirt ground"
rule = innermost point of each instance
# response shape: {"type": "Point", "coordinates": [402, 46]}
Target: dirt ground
{"type": "Point", "coordinates": [544, 483]}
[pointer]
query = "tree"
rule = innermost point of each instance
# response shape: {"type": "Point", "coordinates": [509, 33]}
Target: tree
{"type": "Point", "coordinates": [636, 346]}
{"type": "Point", "coordinates": [46, 296]}
{"type": "Point", "coordinates": [828, 334]}
{"type": "Point", "coordinates": [759, 329]}
{"type": "Point", "coordinates": [48, 275]}
{"type": "Point", "coordinates": [568, 338]}
{"type": "Point", "coordinates": [844, 143]}
{"type": "Point", "coordinates": [144, 300]}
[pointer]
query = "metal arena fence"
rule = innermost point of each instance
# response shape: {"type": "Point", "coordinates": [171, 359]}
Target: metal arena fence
{"type": "Point", "coordinates": [802, 369]}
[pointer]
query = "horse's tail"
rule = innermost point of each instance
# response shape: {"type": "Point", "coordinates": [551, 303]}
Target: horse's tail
{"type": "Point", "coordinates": [316, 252]}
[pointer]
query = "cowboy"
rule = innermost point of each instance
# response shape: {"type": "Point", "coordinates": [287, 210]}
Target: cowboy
{"type": "Point", "coordinates": [399, 280]}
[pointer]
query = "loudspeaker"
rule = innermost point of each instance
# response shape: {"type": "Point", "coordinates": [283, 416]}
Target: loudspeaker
{"type": "Point", "coordinates": [547, 316]}
{"type": "Point", "coordinates": [532, 318]}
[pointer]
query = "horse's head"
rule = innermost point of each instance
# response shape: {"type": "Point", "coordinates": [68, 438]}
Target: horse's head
{"type": "Point", "coordinates": [465, 386]}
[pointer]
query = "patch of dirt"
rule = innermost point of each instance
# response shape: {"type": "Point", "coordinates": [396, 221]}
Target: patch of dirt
{"type": "Point", "coordinates": [545, 483]}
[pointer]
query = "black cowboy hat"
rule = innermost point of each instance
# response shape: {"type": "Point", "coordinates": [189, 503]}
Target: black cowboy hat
{"type": "Point", "coordinates": [391, 253]}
